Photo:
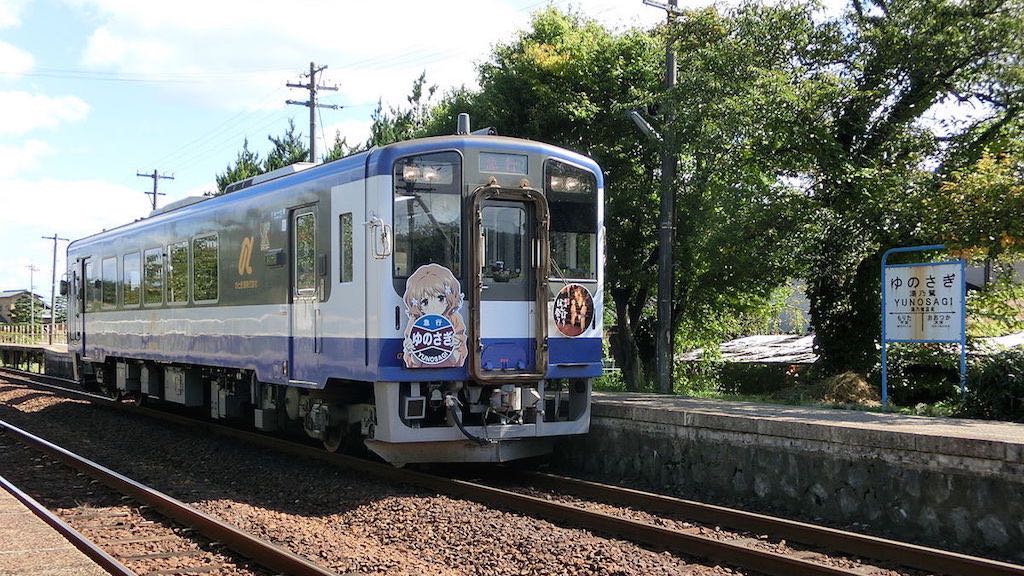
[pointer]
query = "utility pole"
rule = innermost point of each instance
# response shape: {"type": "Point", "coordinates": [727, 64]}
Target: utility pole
{"type": "Point", "coordinates": [668, 177]}
{"type": "Point", "coordinates": [32, 294]}
{"type": "Point", "coordinates": [312, 104]}
{"type": "Point", "coordinates": [156, 176]}
{"type": "Point", "coordinates": [53, 285]}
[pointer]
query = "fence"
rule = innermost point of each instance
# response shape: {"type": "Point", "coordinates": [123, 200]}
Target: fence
{"type": "Point", "coordinates": [32, 333]}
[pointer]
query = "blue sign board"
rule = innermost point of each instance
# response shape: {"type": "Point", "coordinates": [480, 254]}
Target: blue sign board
{"type": "Point", "coordinates": [923, 302]}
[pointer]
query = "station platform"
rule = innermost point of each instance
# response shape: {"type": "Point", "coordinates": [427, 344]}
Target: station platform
{"type": "Point", "coordinates": [30, 547]}
{"type": "Point", "coordinates": [986, 440]}
{"type": "Point", "coordinates": [53, 358]}
{"type": "Point", "coordinates": [945, 482]}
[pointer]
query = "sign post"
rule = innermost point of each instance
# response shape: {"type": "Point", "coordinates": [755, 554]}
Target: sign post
{"type": "Point", "coordinates": [923, 302]}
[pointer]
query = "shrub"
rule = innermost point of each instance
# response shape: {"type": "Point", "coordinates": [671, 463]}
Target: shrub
{"type": "Point", "coordinates": [995, 388]}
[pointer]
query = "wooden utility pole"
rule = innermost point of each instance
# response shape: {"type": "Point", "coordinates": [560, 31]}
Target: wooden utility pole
{"type": "Point", "coordinates": [32, 294]}
{"type": "Point", "coordinates": [665, 230]}
{"type": "Point", "coordinates": [53, 285]}
{"type": "Point", "coordinates": [312, 104]}
{"type": "Point", "coordinates": [156, 176]}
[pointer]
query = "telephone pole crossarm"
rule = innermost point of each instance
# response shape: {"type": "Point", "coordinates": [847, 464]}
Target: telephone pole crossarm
{"type": "Point", "coordinates": [312, 104]}
{"type": "Point", "coordinates": [156, 176]}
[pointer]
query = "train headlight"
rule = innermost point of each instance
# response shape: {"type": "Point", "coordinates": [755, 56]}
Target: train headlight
{"type": "Point", "coordinates": [572, 184]}
{"type": "Point", "coordinates": [429, 174]}
{"type": "Point", "coordinates": [558, 183]}
{"type": "Point", "coordinates": [411, 173]}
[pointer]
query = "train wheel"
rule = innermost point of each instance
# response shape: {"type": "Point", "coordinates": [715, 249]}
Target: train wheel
{"type": "Point", "coordinates": [334, 437]}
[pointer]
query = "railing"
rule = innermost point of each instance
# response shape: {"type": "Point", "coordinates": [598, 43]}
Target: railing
{"type": "Point", "coordinates": [32, 333]}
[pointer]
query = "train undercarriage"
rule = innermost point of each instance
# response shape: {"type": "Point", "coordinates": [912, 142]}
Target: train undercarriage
{"type": "Point", "coordinates": [401, 422]}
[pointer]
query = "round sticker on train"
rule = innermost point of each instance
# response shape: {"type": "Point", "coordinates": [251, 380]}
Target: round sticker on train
{"type": "Point", "coordinates": [574, 310]}
{"type": "Point", "coordinates": [432, 339]}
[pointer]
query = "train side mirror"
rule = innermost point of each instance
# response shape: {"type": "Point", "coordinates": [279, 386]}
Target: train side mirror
{"type": "Point", "coordinates": [63, 287]}
{"type": "Point", "coordinates": [382, 238]}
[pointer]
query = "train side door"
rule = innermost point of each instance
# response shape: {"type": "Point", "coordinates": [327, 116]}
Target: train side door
{"type": "Point", "coordinates": [305, 341]}
{"type": "Point", "coordinates": [77, 299]}
{"type": "Point", "coordinates": [510, 274]}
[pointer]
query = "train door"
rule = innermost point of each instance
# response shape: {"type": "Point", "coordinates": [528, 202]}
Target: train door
{"type": "Point", "coordinates": [510, 285]}
{"type": "Point", "coordinates": [78, 300]}
{"type": "Point", "coordinates": [305, 341]}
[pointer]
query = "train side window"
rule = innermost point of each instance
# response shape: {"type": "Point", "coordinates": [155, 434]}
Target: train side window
{"type": "Point", "coordinates": [345, 248]}
{"type": "Point", "coordinates": [92, 294]}
{"type": "Point", "coordinates": [131, 280]}
{"type": "Point", "coordinates": [109, 289]}
{"type": "Point", "coordinates": [177, 273]}
{"type": "Point", "coordinates": [305, 253]}
{"type": "Point", "coordinates": [153, 277]}
{"type": "Point", "coordinates": [204, 268]}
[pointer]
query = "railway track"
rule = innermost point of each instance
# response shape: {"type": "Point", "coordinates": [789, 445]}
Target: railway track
{"type": "Point", "coordinates": [748, 552]}
{"type": "Point", "coordinates": [132, 529]}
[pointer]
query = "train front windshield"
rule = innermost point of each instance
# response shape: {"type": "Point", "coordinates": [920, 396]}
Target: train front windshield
{"type": "Point", "coordinates": [572, 201]}
{"type": "Point", "coordinates": [428, 213]}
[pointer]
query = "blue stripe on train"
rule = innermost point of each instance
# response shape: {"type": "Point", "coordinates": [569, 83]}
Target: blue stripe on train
{"type": "Point", "coordinates": [341, 358]}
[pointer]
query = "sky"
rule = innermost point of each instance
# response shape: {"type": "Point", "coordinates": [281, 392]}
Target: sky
{"type": "Point", "coordinates": [93, 92]}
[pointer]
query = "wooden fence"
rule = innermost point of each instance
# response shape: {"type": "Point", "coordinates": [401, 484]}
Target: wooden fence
{"type": "Point", "coordinates": [32, 333]}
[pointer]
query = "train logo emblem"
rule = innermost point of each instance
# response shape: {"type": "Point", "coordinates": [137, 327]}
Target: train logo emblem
{"type": "Point", "coordinates": [245, 257]}
{"type": "Point", "coordinates": [436, 335]}
{"type": "Point", "coordinates": [574, 310]}
{"type": "Point", "coordinates": [433, 339]}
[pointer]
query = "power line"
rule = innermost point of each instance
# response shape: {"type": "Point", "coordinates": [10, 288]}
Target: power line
{"type": "Point", "coordinates": [312, 104]}
{"type": "Point", "coordinates": [156, 176]}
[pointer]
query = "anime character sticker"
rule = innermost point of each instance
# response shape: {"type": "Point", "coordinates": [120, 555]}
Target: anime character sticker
{"type": "Point", "coordinates": [436, 335]}
{"type": "Point", "coordinates": [574, 310]}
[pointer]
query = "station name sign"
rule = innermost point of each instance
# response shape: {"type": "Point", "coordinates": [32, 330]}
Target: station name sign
{"type": "Point", "coordinates": [924, 302]}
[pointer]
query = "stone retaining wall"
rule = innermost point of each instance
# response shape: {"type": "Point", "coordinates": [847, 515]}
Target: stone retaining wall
{"type": "Point", "coordinates": [945, 492]}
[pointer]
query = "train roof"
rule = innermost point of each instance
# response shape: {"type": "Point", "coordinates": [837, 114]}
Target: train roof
{"type": "Point", "coordinates": [376, 161]}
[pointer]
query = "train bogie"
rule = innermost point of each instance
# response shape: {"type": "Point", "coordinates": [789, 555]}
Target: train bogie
{"type": "Point", "coordinates": [440, 299]}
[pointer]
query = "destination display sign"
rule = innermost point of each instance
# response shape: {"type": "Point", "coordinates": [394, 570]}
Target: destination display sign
{"type": "Point", "coordinates": [924, 302]}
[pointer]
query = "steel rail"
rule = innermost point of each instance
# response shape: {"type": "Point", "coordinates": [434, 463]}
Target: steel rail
{"type": "Point", "coordinates": [83, 544]}
{"type": "Point", "coordinates": [261, 551]}
{"type": "Point", "coordinates": [905, 554]}
{"type": "Point", "coordinates": [832, 539]}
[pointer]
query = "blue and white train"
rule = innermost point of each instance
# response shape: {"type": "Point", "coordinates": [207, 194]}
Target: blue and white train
{"type": "Point", "coordinates": [435, 300]}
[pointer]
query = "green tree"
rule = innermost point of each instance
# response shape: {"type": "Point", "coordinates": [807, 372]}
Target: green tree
{"type": "Point", "coordinates": [341, 148]}
{"type": "Point", "coordinates": [875, 156]}
{"type": "Point", "coordinates": [21, 310]}
{"type": "Point", "coordinates": [981, 206]}
{"type": "Point", "coordinates": [246, 165]}
{"type": "Point", "coordinates": [288, 149]}
{"type": "Point", "coordinates": [60, 308]}
{"type": "Point", "coordinates": [569, 81]}
{"type": "Point", "coordinates": [399, 123]}
{"type": "Point", "coordinates": [732, 118]}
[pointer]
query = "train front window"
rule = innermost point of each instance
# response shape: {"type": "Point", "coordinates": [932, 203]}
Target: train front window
{"type": "Point", "coordinates": [505, 237]}
{"type": "Point", "coordinates": [572, 202]}
{"type": "Point", "coordinates": [428, 213]}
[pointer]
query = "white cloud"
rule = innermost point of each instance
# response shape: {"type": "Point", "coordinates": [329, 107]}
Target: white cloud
{"type": "Point", "coordinates": [21, 112]}
{"type": "Point", "coordinates": [10, 12]}
{"type": "Point", "coordinates": [237, 50]}
{"type": "Point", "coordinates": [78, 207]}
{"type": "Point", "coordinates": [22, 157]}
{"type": "Point", "coordinates": [14, 61]}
